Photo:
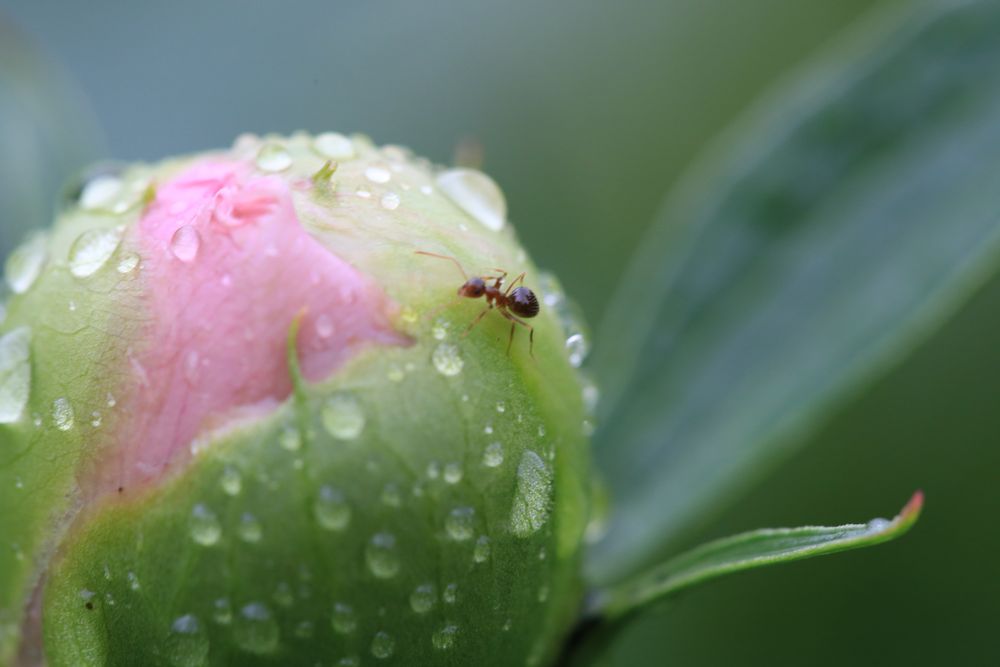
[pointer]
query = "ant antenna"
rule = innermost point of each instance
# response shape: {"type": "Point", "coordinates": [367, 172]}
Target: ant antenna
{"type": "Point", "coordinates": [450, 259]}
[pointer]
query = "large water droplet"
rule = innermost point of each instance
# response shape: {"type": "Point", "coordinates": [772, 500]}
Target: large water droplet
{"type": "Point", "coordinates": [344, 620]}
{"type": "Point", "coordinates": [187, 645]}
{"type": "Point", "coordinates": [331, 509]}
{"type": "Point", "coordinates": [274, 158]}
{"type": "Point", "coordinates": [460, 523]}
{"type": "Point", "coordinates": [475, 193]}
{"type": "Point", "coordinates": [381, 555]}
{"type": "Point", "coordinates": [25, 264]}
{"type": "Point", "coordinates": [231, 481]}
{"type": "Point", "coordinates": [383, 645]}
{"type": "Point", "coordinates": [423, 598]}
{"type": "Point", "coordinates": [493, 455]}
{"type": "Point", "coordinates": [204, 526]}
{"type": "Point", "coordinates": [481, 552]}
{"type": "Point", "coordinates": [63, 415]}
{"type": "Point", "coordinates": [333, 146]}
{"type": "Point", "coordinates": [99, 193]}
{"type": "Point", "coordinates": [453, 473]}
{"type": "Point", "coordinates": [15, 374]}
{"type": "Point", "coordinates": [92, 249]}
{"type": "Point", "coordinates": [343, 417]}
{"type": "Point", "coordinates": [378, 174]}
{"type": "Point", "coordinates": [255, 630]}
{"type": "Point", "coordinates": [577, 348]}
{"type": "Point", "coordinates": [444, 638]}
{"type": "Point", "coordinates": [532, 496]}
{"type": "Point", "coordinates": [447, 360]}
{"type": "Point", "coordinates": [185, 243]}
{"type": "Point", "coordinates": [250, 529]}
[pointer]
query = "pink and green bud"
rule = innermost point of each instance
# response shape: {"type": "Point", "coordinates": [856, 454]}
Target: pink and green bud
{"type": "Point", "coordinates": [242, 421]}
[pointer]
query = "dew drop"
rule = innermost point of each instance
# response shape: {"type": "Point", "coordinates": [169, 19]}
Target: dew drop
{"type": "Point", "coordinates": [381, 556]}
{"type": "Point", "coordinates": [878, 525]}
{"type": "Point", "coordinates": [532, 495]}
{"type": "Point", "coordinates": [133, 581]}
{"type": "Point", "coordinates": [255, 630]}
{"type": "Point", "coordinates": [331, 509]}
{"type": "Point", "coordinates": [423, 598]}
{"type": "Point", "coordinates": [290, 439]}
{"type": "Point", "coordinates": [383, 645]}
{"type": "Point", "coordinates": [395, 374]}
{"type": "Point", "coordinates": [440, 329]}
{"type": "Point", "coordinates": [324, 326]}
{"type": "Point", "coordinates": [460, 523]}
{"type": "Point", "coordinates": [96, 419]}
{"type": "Point", "coordinates": [493, 455]}
{"type": "Point", "coordinates": [591, 395]}
{"type": "Point", "coordinates": [349, 661]}
{"type": "Point", "coordinates": [62, 414]}
{"type": "Point", "coordinates": [222, 612]}
{"type": "Point", "coordinates": [185, 243]}
{"type": "Point", "coordinates": [110, 400]}
{"type": "Point", "coordinates": [187, 645]}
{"type": "Point", "coordinates": [391, 497]}
{"type": "Point", "coordinates": [450, 595]}
{"type": "Point", "coordinates": [25, 264]}
{"type": "Point", "coordinates": [273, 158]}
{"type": "Point", "coordinates": [433, 470]}
{"type": "Point", "coordinates": [390, 201]}
{"type": "Point", "coordinates": [333, 146]}
{"type": "Point", "coordinates": [99, 192]}
{"type": "Point", "coordinates": [128, 263]}
{"type": "Point", "coordinates": [447, 360]}
{"type": "Point", "coordinates": [344, 621]}
{"type": "Point", "coordinates": [363, 192]}
{"type": "Point", "coordinates": [15, 374]}
{"type": "Point", "coordinates": [453, 473]}
{"type": "Point", "coordinates": [444, 638]}
{"type": "Point", "coordinates": [342, 417]}
{"type": "Point", "coordinates": [481, 552]}
{"type": "Point", "coordinates": [577, 348]}
{"type": "Point", "coordinates": [204, 526]}
{"type": "Point", "coordinates": [477, 194]}
{"type": "Point", "coordinates": [250, 530]}
{"type": "Point", "coordinates": [283, 595]}
{"type": "Point", "coordinates": [501, 408]}
{"type": "Point", "coordinates": [92, 249]}
{"type": "Point", "coordinates": [543, 593]}
{"type": "Point", "coordinates": [231, 481]}
{"type": "Point", "coordinates": [378, 174]}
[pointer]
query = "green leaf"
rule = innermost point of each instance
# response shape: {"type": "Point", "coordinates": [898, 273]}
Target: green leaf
{"type": "Point", "coordinates": [839, 226]}
{"type": "Point", "coordinates": [746, 551]}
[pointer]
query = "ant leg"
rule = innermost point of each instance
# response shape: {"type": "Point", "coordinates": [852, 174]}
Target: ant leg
{"type": "Point", "coordinates": [531, 332]}
{"type": "Point", "coordinates": [450, 259]}
{"type": "Point", "coordinates": [510, 339]}
{"type": "Point", "coordinates": [476, 321]}
{"type": "Point", "coordinates": [519, 279]}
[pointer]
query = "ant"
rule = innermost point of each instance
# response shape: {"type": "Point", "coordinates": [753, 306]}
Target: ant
{"type": "Point", "coordinates": [513, 303]}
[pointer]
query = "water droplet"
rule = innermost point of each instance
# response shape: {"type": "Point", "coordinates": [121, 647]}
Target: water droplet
{"type": "Point", "coordinates": [460, 523]}
{"type": "Point", "coordinates": [250, 529]}
{"type": "Point", "coordinates": [231, 481]}
{"type": "Point", "coordinates": [444, 638]}
{"type": "Point", "coordinates": [450, 595]}
{"type": "Point", "coordinates": [283, 595]}
{"type": "Point", "coordinates": [324, 326]}
{"type": "Point", "coordinates": [391, 496]}
{"type": "Point", "coordinates": [62, 414]}
{"type": "Point", "coordinates": [92, 249]}
{"type": "Point", "coordinates": [363, 192]}
{"type": "Point", "coordinates": [543, 593]}
{"type": "Point", "coordinates": [590, 393]}
{"type": "Point", "coordinates": [255, 630]}
{"type": "Point", "coordinates": [305, 629]}
{"type": "Point", "coordinates": [128, 263]}
{"type": "Point", "coordinates": [501, 408]}
{"type": "Point", "coordinates": [15, 374]}
{"type": "Point", "coordinates": [290, 439]}
{"type": "Point", "coordinates": [577, 347]}
{"type": "Point", "coordinates": [185, 243]}
{"type": "Point", "coordinates": [488, 429]}
{"type": "Point", "coordinates": [25, 264]}
{"type": "Point", "coordinates": [433, 470]}
{"type": "Point", "coordinates": [343, 417]}
{"type": "Point", "coordinates": [331, 509]}
{"type": "Point", "coordinates": [878, 525]}
{"type": "Point", "coordinates": [378, 174]}
{"type": "Point", "coordinates": [205, 527]}
{"type": "Point", "coordinates": [383, 645]}
{"type": "Point", "coordinates": [133, 581]}
{"type": "Point", "coordinates": [222, 612]}
{"type": "Point", "coordinates": [98, 193]}
{"type": "Point", "coordinates": [440, 329]}
{"type": "Point", "coordinates": [344, 621]}
{"type": "Point", "coordinates": [447, 360]}
{"type": "Point", "coordinates": [423, 598]}
{"type": "Point", "coordinates": [395, 374]}
{"type": "Point", "coordinates": [481, 552]}
{"type": "Point", "coordinates": [349, 661]}
{"type": "Point", "coordinates": [273, 157]}
{"type": "Point", "coordinates": [95, 419]}
{"type": "Point", "coordinates": [477, 194]}
{"type": "Point", "coordinates": [18, 483]}
{"type": "Point", "coordinates": [111, 401]}
{"type": "Point", "coordinates": [507, 625]}
{"type": "Point", "coordinates": [493, 455]}
{"type": "Point", "coordinates": [333, 146]}
{"type": "Point", "coordinates": [453, 473]}
{"type": "Point", "coordinates": [187, 645]}
{"type": "Point", "coordinates": [381, 556]}
{"type": "Point", "coordinates": [390, 201]}
{"type": "Point", "coordinates": [532, 496]}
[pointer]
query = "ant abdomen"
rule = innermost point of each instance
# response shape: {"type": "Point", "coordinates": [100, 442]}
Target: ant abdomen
{"type": "Point", "coordinates": [523, 302]}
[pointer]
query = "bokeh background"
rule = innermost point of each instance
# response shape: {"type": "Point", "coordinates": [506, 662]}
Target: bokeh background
{"type": "Point", "coordinates": [587, 112]}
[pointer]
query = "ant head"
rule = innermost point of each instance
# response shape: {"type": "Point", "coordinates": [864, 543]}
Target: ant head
{"type": "Point", "coordinates": [473, 288]}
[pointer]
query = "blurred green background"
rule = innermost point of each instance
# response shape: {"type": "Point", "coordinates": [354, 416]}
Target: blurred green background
{"type": "Point", "coordinates": [587, 112]}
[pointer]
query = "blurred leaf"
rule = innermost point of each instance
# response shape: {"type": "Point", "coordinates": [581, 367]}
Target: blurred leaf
{"type": "Point", "coordinates": [47, 132]}
{"type": "Point", "coordinates": [767, 546]}
{"type": "Point", "coordinates": [839, 226]}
